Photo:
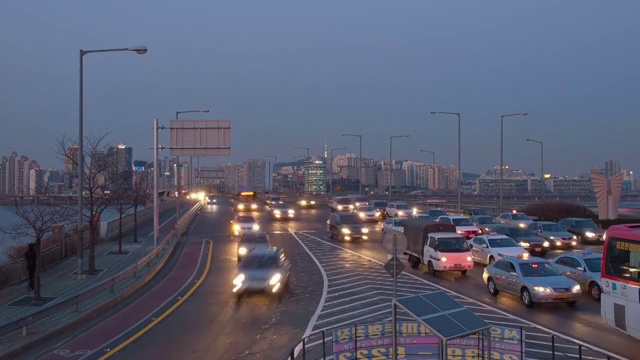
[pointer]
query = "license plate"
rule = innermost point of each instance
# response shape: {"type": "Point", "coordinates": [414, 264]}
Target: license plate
{"type": "Point", "coordinates": [457, 266]}
{"type": "Point", "coordinates": [538, 249]}
{"type": "Point", "coordinates": [565, 296]}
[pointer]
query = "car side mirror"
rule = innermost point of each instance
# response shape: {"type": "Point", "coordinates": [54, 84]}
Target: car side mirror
{"type": "Point", "coordinates": [484, 245]}
{"type": "Point", "coordinates": [513, 273]}
{"type": "Point", "coordinates": [580, 268]}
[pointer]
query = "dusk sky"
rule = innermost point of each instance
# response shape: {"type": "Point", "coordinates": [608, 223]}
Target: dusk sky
{"type": "Point", "coordinates": [287, 72]}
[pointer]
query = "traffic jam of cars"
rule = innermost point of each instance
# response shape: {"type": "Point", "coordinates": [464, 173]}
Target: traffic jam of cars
{"type": "Point", "coordinates": [511, 246]}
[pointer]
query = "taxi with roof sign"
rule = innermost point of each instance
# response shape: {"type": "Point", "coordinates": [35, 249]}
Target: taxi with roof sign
{"type": "Point", "coordinates": [486, 249]}
{"type": "Point", "coordinates": [583, 267]}
{"type": "Point", "coordinates": [532, 279]}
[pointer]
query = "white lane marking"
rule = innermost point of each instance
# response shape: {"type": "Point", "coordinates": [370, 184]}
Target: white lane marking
{"type": "Point", "coordinates": [351, 313]}
{"type": "Point", "coordinates": [529, 323]}
{"type": "Point", "coordinates": [163, 224]}
{"type": "Point", "coordinates": [355, 303]}
{"type": "Point", "coordinates": [325, 285]}
{"type": "Point", "coordinates": [170, 298]}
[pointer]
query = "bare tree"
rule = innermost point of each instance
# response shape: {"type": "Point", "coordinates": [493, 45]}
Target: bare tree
{"type": "Point", "coordinates": [35, 222]}
{"type": "Point", "coordinates": [121, 202]}
{"type": "Point", "coordinates": [96, 167]}
{"type": "Point", "coordinates": [139, 197]}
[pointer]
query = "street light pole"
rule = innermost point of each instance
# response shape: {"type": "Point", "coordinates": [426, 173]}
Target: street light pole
{"type": "Point", "coordinates": [306, 168]}
{"type": "Point", "coordinates": [140, 50]}
{"type": "Point", "coordinates": [331, 170]}
{"type": "Point", "coordinates": [179, 168]}
{"type": "Point", "coordinates": [541, 163]}
{"type": "Point", "coordinates": [295, 173]}
{"type": "Point", "coordinates": [275, 160]}
{"type": "Point", "coordinates": [459, 156]}
{"type": "Point", "coordinates": [502, 155]}
{"type": "Point", "coordinates": [359, 162]}
{"type": "Point", "coordinates": [391, 167]}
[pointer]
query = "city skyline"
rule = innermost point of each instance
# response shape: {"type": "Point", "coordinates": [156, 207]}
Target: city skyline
{"type": "Point", "coordinates": [282, 88]}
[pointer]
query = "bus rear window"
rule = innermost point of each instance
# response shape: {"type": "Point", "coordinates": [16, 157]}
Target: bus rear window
{"type": "Point", "coordinates": [623, 259]}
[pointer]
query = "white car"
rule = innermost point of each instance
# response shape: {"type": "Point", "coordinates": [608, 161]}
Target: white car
{"type": "Point", "coordinates": [514, 218]}
{"type": "Point", "coordinates": [398, 210]}
{"type": "Point", "coordinates": [393, 224]}
{"type": "Point", "coordinates": [368, 213]}
{"type": "Point", "coordinates": [486, 249]}
{"type": "Point", "coordinates": [463, 225]}
{"type": "Point", "coordinates": [244, 223]}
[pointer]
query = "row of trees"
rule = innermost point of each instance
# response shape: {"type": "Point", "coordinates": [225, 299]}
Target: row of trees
{"type": "Point", "coordinates": [126, 194]}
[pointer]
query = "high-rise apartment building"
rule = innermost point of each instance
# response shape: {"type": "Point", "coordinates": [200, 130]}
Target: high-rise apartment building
{"type": "Point", "coordinates": [120, 168]}
{"type": "Point", "coordinates": [235, 177]}
{"type": "Point", "coordinates": [258, 173]}
{"type": "Point", "coordinates": [315, 179]}
{"type": "Point", "coordinates": [612, 168]}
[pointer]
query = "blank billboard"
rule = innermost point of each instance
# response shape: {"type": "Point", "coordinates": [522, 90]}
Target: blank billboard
{"type": "Point", "coordinates": [200, 137]}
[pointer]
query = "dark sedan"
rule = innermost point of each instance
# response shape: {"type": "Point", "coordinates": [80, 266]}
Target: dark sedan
{"type": "Point", "coordinates": [523, 235]}
{"type": "Point", "coordinates": [585, 229]}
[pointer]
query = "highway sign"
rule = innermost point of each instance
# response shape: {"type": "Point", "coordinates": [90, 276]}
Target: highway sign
{"type": "Point", "coordinates": [389, 267]}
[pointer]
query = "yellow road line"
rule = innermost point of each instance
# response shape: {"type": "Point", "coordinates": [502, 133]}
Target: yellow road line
{"type": "Point", "coordinates": [166, 313]}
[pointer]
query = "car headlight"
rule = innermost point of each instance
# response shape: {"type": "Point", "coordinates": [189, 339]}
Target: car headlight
{"type": "Point", "coordinates": [345, 231]}
{"type": "Point", "coordinates": [574, 237]}
{"type": "Point", "coordinates": [291, 212]}
{"type": "Point", "coordinates": [238, 279]}
{"type": "Point", "coordinates": [242, 250]}
{"type": "Point", "coordinates": [240, 206]}
{"type": "Point", "coordinates": [590, 234]}
{"type": "Point", "coordinates": [460, 232]}
{"type": "Point", "coordinates": [277, 212]}
{"type": "Point", "coordinates": [574, 243]}
{"type": "Point", "coordinates": [576, 289]}
{"type": "Point", "coordinates": [542, 289]}
{"type": "Point", "coordinates": [361, 214]}
{"type": "Point", "coordinates": [365, 230]}
{"type": "Point", "coordinates": [545, 244]}
{"type": "Point", "coordinates": [414, 211]}
{"type": "Point", "coordinates": [524, 244]}
{"type": "Point", "coordinates": [275, 279]}
{"type": "Point", "coordinates": [552, 238]}
{"type": "Point", "coordinates": [255, 227]}
{"type": "Point", "coordinates": [400, 213]}
{"type": "Point", "coordinates": [339, 207]}
{"type": "Point", "coordinates": [351, 207]}
{"type": "Point", "coordinates": [558, 243]}
{"type": "Point", "coordinates": [378, 214]}
{"type": "Point", "coordinates": [254, 206]}
{"type": "Point", "coordinates": [236, 227]}
{"type": "Point", "coordinates": [303, 202]}
{"type": "Point", "coordinates": [469, 258]}
{"type": "Point", "coordinates": [313, 202]}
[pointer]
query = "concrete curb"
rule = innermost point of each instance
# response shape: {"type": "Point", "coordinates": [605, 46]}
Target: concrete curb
{"type": "Point", "coordinates": [97, 310]}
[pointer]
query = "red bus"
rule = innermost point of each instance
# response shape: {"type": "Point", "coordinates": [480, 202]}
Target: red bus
{"type": "Point", "coordinates": [620, 301]}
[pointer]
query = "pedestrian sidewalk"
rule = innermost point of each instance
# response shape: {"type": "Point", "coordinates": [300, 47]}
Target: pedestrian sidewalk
{"type": "Point", "coordinates": [61, 282]}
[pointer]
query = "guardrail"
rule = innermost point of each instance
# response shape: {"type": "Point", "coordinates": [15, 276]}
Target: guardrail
{"type": "Point", "coordinates": [65, 246]}
{"type": "Point", "coordinates": [109, 229]}
{"type": "Point", "coordinates": [23, 322]}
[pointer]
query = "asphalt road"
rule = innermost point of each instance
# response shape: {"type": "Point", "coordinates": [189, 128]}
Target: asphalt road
{"type": "Point", "coordinates": [210, 324]}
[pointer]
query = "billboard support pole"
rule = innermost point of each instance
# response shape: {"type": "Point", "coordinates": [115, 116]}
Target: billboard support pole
{"type": "Point", "coordinates": [394, 331]}
{"type": "Point", "coordinates": [156, 208]}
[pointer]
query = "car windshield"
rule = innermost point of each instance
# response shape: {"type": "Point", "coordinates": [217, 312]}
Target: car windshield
{"type": "Point", "coordinates": [538, 269]}
{"type": "Point", "coordinates": [254, 238]}
{"type": "Point", "coordinates": [280, 206]}
{"type": "Point", "coordinates": [350, 220]}
{"type": "Point", "coordinates": [479, 211]}
{"type": "Point", "coordinates": [452, 245]}
{"type": "Point", "coordinates": [462, 222]}
{"type": "Point", "coordinates": [552, 228]}
{"type": "Point", "coordinates": [520, 232]}
{"type": "Point", "coordinates": [436, 213]}
{"type": "Point", "coordinates": [381, 204]}
{"type": "Point", "coordinates": [245, 219]}
{"type": "Point", "coordinates": [486, 220]}
{"type": "Point", "coordinates": [344, 201]}
{"type": "Point", "coordinates": [520, 216]}
{"type": "Point", "coordinates": [274, 198]}
{"type": "Point", "coordinates": [402, 207]}
{"type": "Point", "coordinates": [260, 261]}
{"type": "Point", "coordinates": [585, 224]}
{"type": "Point", "coordinates": [502, 242]}
{"type": "Point", "coordinates": [594, 264]}
{"type": "Point", "coordinates": [366, 208]}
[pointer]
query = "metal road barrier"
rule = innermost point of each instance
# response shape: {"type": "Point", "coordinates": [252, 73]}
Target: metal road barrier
{"type": "Point", "coordinates": [23, 322]}
{"type": "Point", "coordinates": [339, 343]}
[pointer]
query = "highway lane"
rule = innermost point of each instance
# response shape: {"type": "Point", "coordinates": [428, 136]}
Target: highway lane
{"type": "Point", "coordinates": [211, 325]}
{"type": "Point", "coordinates": [583, 322]}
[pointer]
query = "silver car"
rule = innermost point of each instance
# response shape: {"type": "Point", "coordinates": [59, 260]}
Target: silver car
{"type": "Point", "coordinates": [265, 271]}
{"type": "Point", "coordinates": [583, 267]}
{"type": "Point", "coordinates": [244, 223]}
{"type": "Point", "coordinates": [554, 233]}
{"type": "Point", "coordinates": [250, 242]}
{"type": "Point", "coordinates": [532, 279]}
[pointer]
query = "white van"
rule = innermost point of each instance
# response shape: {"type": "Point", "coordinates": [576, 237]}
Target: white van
{"type": "Point", "coordinates": [445, 251]}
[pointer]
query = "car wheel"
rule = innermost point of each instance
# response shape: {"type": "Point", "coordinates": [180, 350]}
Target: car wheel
{"type": "Point", "coordinates": [432, 270]}
{"type": "Point", "coordinates": [595, 291]}
{"type": "Point", "coordinates": [525, 296]}
{"type": "Point", "coordinates": [414, 262]}
{"type": "Point", "coordinates": [572, 304]}
{"type": "Point", "coordinates": [464, 272]}
{"type": "Point", "coordinates": [491, 286]}
{"type": "Point", "coordinates": [491, 260]}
